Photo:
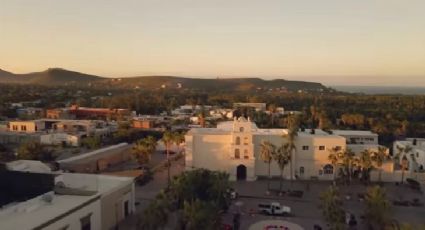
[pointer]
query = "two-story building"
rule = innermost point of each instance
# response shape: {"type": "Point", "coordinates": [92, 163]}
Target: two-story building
{"type": "Point", "coordinates": [234, 147]}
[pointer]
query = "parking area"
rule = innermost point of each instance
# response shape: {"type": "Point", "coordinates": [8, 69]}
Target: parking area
{"type": "Point", "coordinates": [305, 210]}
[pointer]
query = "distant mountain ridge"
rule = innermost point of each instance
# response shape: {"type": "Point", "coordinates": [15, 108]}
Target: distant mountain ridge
{"type": "Point", "coordinates": [58, 76]}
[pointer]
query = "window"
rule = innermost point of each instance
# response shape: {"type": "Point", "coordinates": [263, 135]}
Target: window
{"type": "Point", "coordinates": [23, 128]}
{"type": "Point", "coordinates": [245, 154]}
{"type": "Point", "coordinates": [15, 127]}
{"type": "Point", "coordinates": [301, 170]}
{"type": "Point", "coordinates": [305, 147]}
{"type": "Point", "coordinates": [86, 222]}
{"type": "Point", "coordinates": [245, 140]}
{"type": "Point", "coordinates": [322, 147]}
{"type": "Point", "coordinates": [237, 154]}
{"type": "Point", "coordinates": [241, 129]}
{"type": "Point", "coordinates": [328, 169]}
{"type": "Point", "coordinates": [337, 148]}
{"type": "Point", "coordinates": [238, 140]}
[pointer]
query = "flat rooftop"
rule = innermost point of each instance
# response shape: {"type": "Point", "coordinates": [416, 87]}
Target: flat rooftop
{"type": "Point", "coordinates": [37, 211]}
{"type": "Point", "coordinates": [354, 133]}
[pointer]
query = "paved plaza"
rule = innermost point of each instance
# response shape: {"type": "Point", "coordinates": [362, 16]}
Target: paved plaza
{"type": "Point", "coordinates": [305, 210]}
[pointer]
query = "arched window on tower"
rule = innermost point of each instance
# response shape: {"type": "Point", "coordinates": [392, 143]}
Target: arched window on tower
{"type": "Point", "coordinates": [238, 141]}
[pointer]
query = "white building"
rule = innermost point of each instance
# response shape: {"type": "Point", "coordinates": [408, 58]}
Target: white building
{"type": "Point", "coordinates": [359, 140]}
{"type": "Point", "coordinates": [234, 147]}
{"type": "Point", "coordinates": [416, 156]}
{"type": "Point", "coordinates": [70, 201]}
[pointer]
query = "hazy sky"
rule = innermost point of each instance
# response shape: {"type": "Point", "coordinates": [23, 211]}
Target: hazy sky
{"type": "Point", "coordinates": [367, 41]}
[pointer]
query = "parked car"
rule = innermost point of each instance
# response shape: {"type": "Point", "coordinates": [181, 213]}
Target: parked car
{"type": "Point", "coordinates": [274, 208]}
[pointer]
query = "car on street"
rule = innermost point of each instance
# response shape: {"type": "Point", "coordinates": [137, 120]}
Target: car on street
{"type": "Point", "coordinates": [274, 209]}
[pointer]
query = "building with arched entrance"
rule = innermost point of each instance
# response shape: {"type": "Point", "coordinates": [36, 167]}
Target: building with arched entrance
{"type": "Point", "coordinates": [234, 147]}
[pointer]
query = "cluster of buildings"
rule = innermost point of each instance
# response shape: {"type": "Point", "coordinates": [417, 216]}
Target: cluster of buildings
{"type": "Point", "coordinates": [235, 146]}
{"type": "Point", "coordinates": [54, 131]}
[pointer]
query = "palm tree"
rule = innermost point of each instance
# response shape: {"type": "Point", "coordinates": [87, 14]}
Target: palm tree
{"type": "Point", "coordinates": [331, 206]}
{"type": "Point", "coordinates": [348, 159]}
{"type": "Point", "coordinates": [378, 158]}
{"type": "Point", "coordinates": [178, 139]}
{"type": "Point", "coordinates": [366, 164]}
{"type": "Point", "coordinates": [378, 211]}
{"type": "Point", "coordinates": [168, 138]}
{"type": "Point", "coordinates": [293, 126]}
{"type": "Point", "coordinates": [272, 110]}
{"type": "Point", "coordinates": [282, 157]}
{"type": "Point", "coordinates": [267, 150]}
{"type": "Point", "coordinates": [333, 157]}
{"type": "Point", "coordinates": [402, 154]}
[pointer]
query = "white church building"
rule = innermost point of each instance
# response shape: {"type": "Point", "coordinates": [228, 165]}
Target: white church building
{"type": "Point", "coordinates": [234, 147]}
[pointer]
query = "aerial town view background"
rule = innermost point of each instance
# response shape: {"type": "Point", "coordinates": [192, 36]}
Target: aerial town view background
{"type": "Point", "coordinates": [277, 115]}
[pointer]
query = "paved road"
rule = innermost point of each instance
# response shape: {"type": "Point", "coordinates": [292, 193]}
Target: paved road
{"type": "Point", "coordinates": [146, 193]}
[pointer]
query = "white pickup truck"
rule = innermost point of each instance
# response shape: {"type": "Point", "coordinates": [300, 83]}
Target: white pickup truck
{"type": "Point", "coordinates": [274, 208]}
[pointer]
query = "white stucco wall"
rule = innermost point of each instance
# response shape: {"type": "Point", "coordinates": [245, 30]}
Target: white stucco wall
{"type": "Point", "coordinates": [214, 149]}
{"type": "Point", "coordinates": [73, 219]}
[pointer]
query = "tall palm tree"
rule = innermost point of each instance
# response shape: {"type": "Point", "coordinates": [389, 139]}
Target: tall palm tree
{"type": "Point", "coordinates": [282, 156]}
{"type": "Point", "coordinates": [366, 164]}
{"type": "Point", "coordinates": [178, 139]}
{"type": "Point", "coordinates": [293, 126]}
{"type": "Point", "coordinates": [272, 109]}
{"type": "Point", "coordinates": [333, 157]}
{"type": "Point", "coordinates": [348, 161]}
{"type": "Point", "coordinates": [378, 211]}
{"type": "Point", "coordinates": [168, 138]}
{"type": "Point", "coordinates": [402, 156]}
{"type": "Point", "coordinates": [267, 150]}
{"type": "Point", "coordinates": [378, 157]}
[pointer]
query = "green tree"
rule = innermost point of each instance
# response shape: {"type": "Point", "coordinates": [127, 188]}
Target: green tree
{"type": "Point", "coordinates": [282, 156]}
{"type": "Point", "coordinates": [200, 215]}
{"type": "Point", "coordinates": [92, 142]}
{"type": "Point", "coordinates": [378, 209]}
{"type": "Point", "coordinates": [143, 149]}
{"type": "Point", "coordinates": [34, 151]}
{"type": "Point", "coordinates": [155, 216]}
{"type": "Point", "coordinates": [197, 198]}
{"type": "Point", "coordinates": [267, 151]}
{"type": "Point", "coordinates": [331, 206]}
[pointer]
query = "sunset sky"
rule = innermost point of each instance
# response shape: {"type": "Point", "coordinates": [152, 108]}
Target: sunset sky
{"type": "Point", "coordinates": [357, 42]}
